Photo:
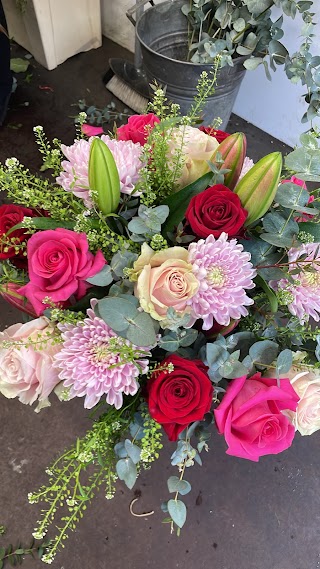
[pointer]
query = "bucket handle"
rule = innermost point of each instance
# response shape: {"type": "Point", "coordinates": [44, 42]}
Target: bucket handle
{"type": "Point", "coordinates": [135, 8]}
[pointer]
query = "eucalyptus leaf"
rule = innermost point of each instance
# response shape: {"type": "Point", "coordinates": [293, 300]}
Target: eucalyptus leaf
{"type": "Point", "coordinates": [216, 356]}
{"type": "Point", "coordinates": [116, 312]}
{"type": "Point", "coordinates": [127, 471]}
{"type": "Point", "coordinates": [177, 485]}
{"type": "Point", "coordinates": [120, 450]}
{"type": "Point", "coordinates": [141, 331]}
{"type": "Point", "coordinates": [103, 278]}
{"type": "Point", "coordinates": [284, 362]}
{"type": "Point", "coordinates": [133, 451]}
{"type": "Point", "coordinates": [178, 512]}
{"type": "Point", "coordinates": [169, 343]}
{"type": "Point", "coordinates": [264, 352]}
{"type": "Point", "coordinates": [121, 260]}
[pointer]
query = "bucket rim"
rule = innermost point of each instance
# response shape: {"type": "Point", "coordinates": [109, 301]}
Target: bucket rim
{"type": "Point", "coordinates": [237, 60]}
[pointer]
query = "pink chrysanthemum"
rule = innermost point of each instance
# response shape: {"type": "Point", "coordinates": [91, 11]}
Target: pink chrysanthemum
{"type": "Point", "coordinates": [223, 271]}
{"type": "Point", "coordinates": [304, 292]}
{"type": "Point", "coordinates": [74, 177]}
{"type": "Point", "coordinates": [92, 366]}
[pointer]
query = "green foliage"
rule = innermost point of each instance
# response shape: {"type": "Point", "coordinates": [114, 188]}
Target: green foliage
{"type": "Point", "coordinates": [51, 152]}
{"type": "Point", "coordinates": [122, 315]}
{"type": "Point", "coordinates": [172, 340]}
{"type": "Point", "coordinates": [103, 278]}
{"type": "Point", "coordinates": [127, 471]}
{"type": "Point", "coordinates": [29, 190]}
{"type": "Point", "coordinates": [245, 28]}
{"type": "Point", "coordinates": [19, 65]}
{"type": "Point", "coordinates": [15, 555]}
{"type": "Point", "coordinates": [102, 117]}
{"type": "Point", "coordinates": [178, 512]}
{"type": "Point", "coordinates": [148, 222]}
{"type": "Point", "coordinates": [177, 485]}
{"type": "Point", "coordinates": [76, 476]}
{"type": "Point", "coordinates": [222, 360]}
{"type": "Point", "coordinates": [284, 362]}
{"type": "Point", "coordinates": [305, 160]}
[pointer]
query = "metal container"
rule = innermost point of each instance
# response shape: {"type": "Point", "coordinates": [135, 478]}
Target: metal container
{"type": "Point", "coordinates": [162, 32]}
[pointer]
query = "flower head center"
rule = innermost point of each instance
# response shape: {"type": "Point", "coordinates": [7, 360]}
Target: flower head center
{"type": "Point", "coordinates": [101, 353]}
{"type": "Point", "coordinates": [216, 276]}
{"type": "Point", "coordinates": [311, 279]}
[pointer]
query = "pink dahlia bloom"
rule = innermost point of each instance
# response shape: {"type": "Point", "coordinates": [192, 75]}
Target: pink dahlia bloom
{"type": "Point", "coordinates": [305, 286]}
{"type": "Point", "coordinates": [224, 272]}
{"type": "Point", "coordinates": [92, 367]}
{"type": "Point", "coordinates": [74, 177]}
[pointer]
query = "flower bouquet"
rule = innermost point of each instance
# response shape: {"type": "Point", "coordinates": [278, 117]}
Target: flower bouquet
{"type": "Point", "coordinates": [174, 286]}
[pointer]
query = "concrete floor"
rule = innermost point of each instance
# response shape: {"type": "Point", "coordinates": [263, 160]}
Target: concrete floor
{"type": "Point", "coordinates": [241, 515]}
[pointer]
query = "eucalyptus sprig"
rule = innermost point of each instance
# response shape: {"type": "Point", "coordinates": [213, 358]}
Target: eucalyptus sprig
{"type": "Point", "coordinates": [245, 28]}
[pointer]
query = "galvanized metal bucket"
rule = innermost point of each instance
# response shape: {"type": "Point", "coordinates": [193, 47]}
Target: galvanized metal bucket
{"type": "Point", "coordinates": [162, 32]}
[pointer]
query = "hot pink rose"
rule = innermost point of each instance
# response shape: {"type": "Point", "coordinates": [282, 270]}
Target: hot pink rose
{"type": "Point", "coordinates": [26, 371]}
{"type": "Point", "coordinates": [251, 419]}
{"type": "Point", "coordinates": [137, 128]}
{"type": "Point", "coordinates": [297, 181]}
{"type": "Point", "coordinates": [59, 262]}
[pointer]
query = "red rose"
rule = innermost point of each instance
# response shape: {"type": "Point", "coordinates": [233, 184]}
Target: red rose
{"type": "Point", "coordinates": [214, 211]}
{"type": "Point", "coordinates": [251, 419]}
{"type": "Point", "coordinates": [137, 128]}
{"type": "Point", "coordinates": [180, 397]}
{"type": "Point", "coordinates": [59, 262]}
{"type": "Point", "coordinates": [10, 215]}
{"type": "Point", "coordinates": [219, 135]}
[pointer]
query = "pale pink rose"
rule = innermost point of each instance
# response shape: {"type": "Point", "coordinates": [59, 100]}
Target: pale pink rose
{"type": "Point", "coordinates": [165, 280]}
{"type": "Point", "coordinates": [27, 372]}
{"type": "Point", "coordinates": [306, 384]}
{"type": "Point", "coordinates": [197, 149]}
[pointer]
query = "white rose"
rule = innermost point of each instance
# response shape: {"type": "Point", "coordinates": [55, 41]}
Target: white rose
{"type": "Point", "coordinates": [197, 148]}
{"type": "Point", "coordinates": [306, 384]}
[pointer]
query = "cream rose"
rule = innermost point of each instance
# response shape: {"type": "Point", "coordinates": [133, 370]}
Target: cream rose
{"type": "Point", "coordinates": [197, 148]}
{"type": "Point", "coordinates": [26, 372]}
{"type": "Point", "coordinates": [306, 384]}
{"type": "Point", "coordinates": [165, 280]}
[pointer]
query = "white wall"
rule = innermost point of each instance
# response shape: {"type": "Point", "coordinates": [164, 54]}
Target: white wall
{"type": "Point", "coordinates": [274, 106]}
{"type": "Point", "coordinates": [277, 106]}
{"type": "Point", "coordinates": [115, 24]}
